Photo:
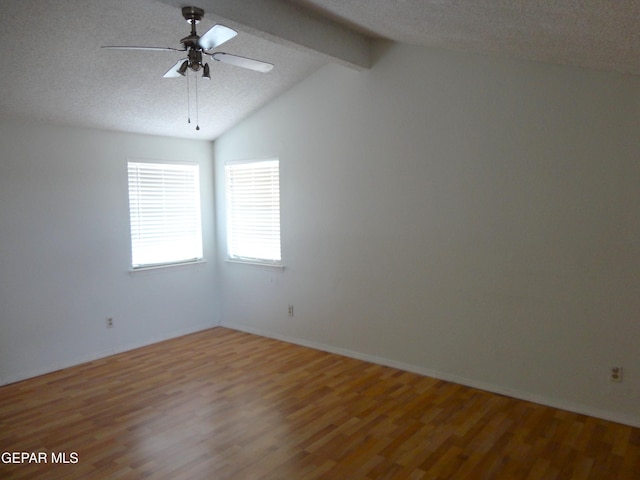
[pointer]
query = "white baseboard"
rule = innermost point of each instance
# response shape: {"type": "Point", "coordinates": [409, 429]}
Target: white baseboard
{"type": "Point", "coordinates": [631, 420]}
{"type": "Point", "coordinates": [107, 353]}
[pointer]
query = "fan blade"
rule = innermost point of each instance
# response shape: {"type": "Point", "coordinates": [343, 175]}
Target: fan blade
{"type": "Point", "coordinates": [243, 62]}
{"type": "Point", "coordinates": [217, 35]}
{"type": "Point", "coordinates": [173, 71]}
{"type": "Point", "coordinates": [168, 49]}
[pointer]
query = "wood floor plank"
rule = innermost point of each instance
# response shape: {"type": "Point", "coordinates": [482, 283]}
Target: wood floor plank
{"type": "Point", "coordinates": [222, 404]}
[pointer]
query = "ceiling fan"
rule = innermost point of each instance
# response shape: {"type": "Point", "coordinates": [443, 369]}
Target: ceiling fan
{"type": "Point", "coordinates": [196, 46]}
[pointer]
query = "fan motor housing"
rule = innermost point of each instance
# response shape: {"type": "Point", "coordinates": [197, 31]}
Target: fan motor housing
{"type": "Point", "coordinates": [191, 41]}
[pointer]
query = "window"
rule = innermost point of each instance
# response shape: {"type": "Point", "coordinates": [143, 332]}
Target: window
{"type": "Point", "coordinates": [253, 211]}
{"type": "Point", "coordinates": [164, 209]}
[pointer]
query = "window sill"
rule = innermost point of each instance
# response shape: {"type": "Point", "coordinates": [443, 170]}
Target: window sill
{"type": "Point", "coordinates": [167, 266]}
{"type": "Point", "coordinates": [255, 264]}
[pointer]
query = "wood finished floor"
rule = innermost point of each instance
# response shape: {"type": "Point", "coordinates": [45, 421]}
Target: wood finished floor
{"type": "Point", "coordinates": [222, 404]}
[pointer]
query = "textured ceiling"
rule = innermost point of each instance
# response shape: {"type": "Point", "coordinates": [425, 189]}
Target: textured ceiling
{"type": "Point", "coordinates": [601, 34]}
{"type": "Point", "coordinates": [54, 69]}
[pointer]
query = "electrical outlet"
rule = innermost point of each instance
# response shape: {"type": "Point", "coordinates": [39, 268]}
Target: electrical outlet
{"type": "Point", "coordinates": [110, 322]}
{"type": "Point", "coordinates": [291, 310]}
{"type": "Point", "coordinates": [615, 374]}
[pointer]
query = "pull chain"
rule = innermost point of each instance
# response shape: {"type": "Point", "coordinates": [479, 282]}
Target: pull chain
{"type": "Point", "coordinates": [188, 100]}
{"type": "Point", "coordinates": [197, 119]}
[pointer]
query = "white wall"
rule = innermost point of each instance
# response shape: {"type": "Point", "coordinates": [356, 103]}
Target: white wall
{"type": "Point", "coordinates": [65, 250]}
{"type": "Point", "coordinates": [463, 216]}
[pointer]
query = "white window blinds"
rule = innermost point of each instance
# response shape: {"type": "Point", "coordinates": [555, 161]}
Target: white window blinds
{"type": "Point", "coordinates": [253, 211]}
{"type": "Point", "coordinates": [164, 207]}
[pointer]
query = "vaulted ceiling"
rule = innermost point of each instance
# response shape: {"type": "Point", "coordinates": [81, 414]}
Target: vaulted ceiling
{"type": "Point", "coordinates": [55, 71]}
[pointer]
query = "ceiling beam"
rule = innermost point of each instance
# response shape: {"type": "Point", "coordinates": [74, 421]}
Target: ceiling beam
{"type": "Point", "coordinates": [285, 23]}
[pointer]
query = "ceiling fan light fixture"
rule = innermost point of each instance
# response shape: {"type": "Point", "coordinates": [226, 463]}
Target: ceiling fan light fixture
{"type": "Point", "coordinates": [195, 46]}
{"type": "Point", "coordinates": [183, 68]}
